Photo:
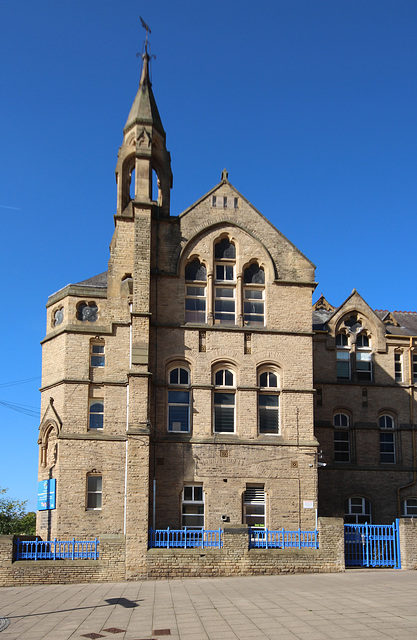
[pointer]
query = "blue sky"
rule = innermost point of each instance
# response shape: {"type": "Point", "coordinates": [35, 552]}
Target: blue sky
{"type": "Point", "coordinates": [310, 104]}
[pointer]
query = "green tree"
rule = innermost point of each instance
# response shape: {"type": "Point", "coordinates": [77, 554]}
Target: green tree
{"type": "Point", "coordinates": [14, 519]}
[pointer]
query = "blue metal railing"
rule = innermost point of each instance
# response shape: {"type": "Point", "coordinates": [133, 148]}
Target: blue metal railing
{"type": "Point", "coordinates": [372, 545]}
{"type": "Point", "coordinates": [185, 538]}
{"type": "Point", "coordinates": [282, 539]}
{"type": "Point", "coordinates": [57, 549]}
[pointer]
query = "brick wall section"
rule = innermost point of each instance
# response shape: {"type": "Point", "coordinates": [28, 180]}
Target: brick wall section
{"type": "Point", "coordinates": [408, 543]}
{"type": "Point", "coordinates": [109, 568]}
{"type": "Point", "coordinates": [235, 559]}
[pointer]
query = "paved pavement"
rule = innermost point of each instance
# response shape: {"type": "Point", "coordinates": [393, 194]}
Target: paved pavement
{"type": "Point", "coordinates": [353, 605]}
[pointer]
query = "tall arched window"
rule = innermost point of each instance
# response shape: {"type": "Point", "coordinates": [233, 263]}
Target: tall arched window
{"type": "Point", "coordinates": [179, 399]}
{"type": "Point", "coordinates": [195, 292]}
{"type": "Point", "coordinates": [341, 437]}
{"type": "Point", "coordinates": [254, 294]}
{"type": "Point", "coordinates": [363, 358]}
{"type": "Point", "coordinates": [224, 399]}
{"type": "Point", "coordinates": [268, 402]}
{"type": "Point", "coordinates": [225, 282]}
{"type": "Point", "coordinates": [386, 439]}
{"type": "Point", "coordinates": [343, 357]}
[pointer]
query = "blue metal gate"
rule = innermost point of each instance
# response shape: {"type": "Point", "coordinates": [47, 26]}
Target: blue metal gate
{"type": "Point", "coordinates": [372, 545]}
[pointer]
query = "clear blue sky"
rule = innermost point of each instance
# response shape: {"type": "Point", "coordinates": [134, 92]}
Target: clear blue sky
{"type": "Point", "coordinates": [311, 105]}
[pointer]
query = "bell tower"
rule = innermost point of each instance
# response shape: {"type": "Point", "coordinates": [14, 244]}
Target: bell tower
{"type": "Point", "coordinates": [143, 151]}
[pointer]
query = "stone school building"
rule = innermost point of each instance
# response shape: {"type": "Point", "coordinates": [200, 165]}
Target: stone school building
{"type": "Point", "coordinates": [179, 389]}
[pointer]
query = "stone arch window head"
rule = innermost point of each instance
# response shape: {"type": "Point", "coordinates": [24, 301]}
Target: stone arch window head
{"type": "Point", "coordinates": [342, 341]}
{"type": "Point", "coordinates": [195, 270]}
{"type": "Point", "coordinates": [341, 437]}
{"type": "Point", "coordinates": [179, 399]}
{"type": "Point", "coordinates": [58, 317]}
{"type": "Point", "coordinates": [224, 401]}
{"type": "Point", "coordinates": [94, 492]}
{"type": "Point", "coordinates": [224, 250]}
{"type": "Point", "coordinates": [254, 274]}
{"type": "Point", "coordinates": [363, 341]}
{"type": "Point", "coordinates": [386, 439]}
{"type": "Point", "coordinates": [87, 311]}
{"type": "Point", "coordinates": [268, 403]}
{"type": "Point", "coordinates": [409, 508]}
{"type": "Point", "coordinates": [358, 510]}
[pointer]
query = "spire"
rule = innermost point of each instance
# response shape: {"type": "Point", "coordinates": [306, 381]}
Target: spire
{"type": "Point", "coordinates": [144, 109]}
{"type": "Point", "coordinates": [144, 151]}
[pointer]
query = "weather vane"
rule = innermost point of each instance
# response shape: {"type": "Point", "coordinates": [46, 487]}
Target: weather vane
{"type": "Point", "coordinates": [146, 27]}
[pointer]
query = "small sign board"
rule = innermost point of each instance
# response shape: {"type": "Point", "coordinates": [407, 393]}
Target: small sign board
{"type": "Point", "coordinates": [46, 494]}
{"type": "Point", "coordinates": [308, 504]}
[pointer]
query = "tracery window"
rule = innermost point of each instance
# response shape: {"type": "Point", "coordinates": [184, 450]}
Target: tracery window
{"type": "Point", "coordinates": [179, 399]}
{"type": "Point", "coordinates": [87, 312]}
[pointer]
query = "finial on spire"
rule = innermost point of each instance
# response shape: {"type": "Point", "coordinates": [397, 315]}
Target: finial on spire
{"type": "Point", "coordinates": [225, 175]}
{"type": "Point", "coordinates": [145, 26]}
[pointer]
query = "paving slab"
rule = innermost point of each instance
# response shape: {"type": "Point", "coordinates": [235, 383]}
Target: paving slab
{"type": "Point", "coordinates": [379, 604]}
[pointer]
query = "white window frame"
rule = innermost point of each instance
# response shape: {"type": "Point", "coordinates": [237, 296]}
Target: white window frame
{"type": "Point", "coordinates": [254, 499]}
{"type": "Point", "coordinates": [196, 291]}
{"type": "Point", "coordinates": [179, 387]}
{"type": "Point", "coordinates": [271, 390]}
{"type": "Point", "coordinates": [409, 510]}
{"type": "Point", "coordinates": [363, 355]}
{"type": "Point", "coordinates": [194, 503]}
{"type": "Point", "coordinates": [341, 435]}
{"type": "Point", "coordinates": [93, 414]}
{"type": "Point", "coordinates": [398, 366]}
{"type": "Point", "coordinates": [361, 512]}
{"type": "Point", "coordinates": [387, 439]}
{"type": "Point", "coordinates": [224, 388]}
{"type": "Point", "coordinates": [94, 495]}
{"type": "Point", "coordinates": [248, 316]}
{"type": "Point", "coordinates": [97, 354]}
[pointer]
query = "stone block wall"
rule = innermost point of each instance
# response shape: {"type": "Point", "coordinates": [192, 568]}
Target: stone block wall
{"type": "Point", "coordinates": [408, 543]}
{"type": "Point", "coordinates": [236, 559]}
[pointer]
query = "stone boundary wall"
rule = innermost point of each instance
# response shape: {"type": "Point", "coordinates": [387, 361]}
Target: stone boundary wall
{"type": "Point", "coordinates": [408, 543]}
{"type": "Point", "coordinates": [110, 567]}
{"type": "Point", "coordinates": [235, 559]}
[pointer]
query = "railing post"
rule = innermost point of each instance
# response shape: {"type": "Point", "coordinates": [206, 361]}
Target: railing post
{"type": "Point", "coordinates": [397, 545]}
{"type": "Point", "coordinates": [168, 538]}
{"type": "Point", "coordinates": [73, 548]}
{"type": "Point", "coordinates": [55, 549]}
{"type": "Point", "coordinates": [36, 550]}
{"type": "Point", "coordinates": [283, 537]}
{"type": "Point", "coordinates": [266, 539]}
{"type": "Point", "coordinates": [299, 538]}
{"type": "Point", "coordinates": [185, 537]}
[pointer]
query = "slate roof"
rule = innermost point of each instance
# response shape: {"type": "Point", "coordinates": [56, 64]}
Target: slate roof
{"type": "Point", "coordinates": [96, 281]}
{"type": "Point", "coordinates": [407, 321]}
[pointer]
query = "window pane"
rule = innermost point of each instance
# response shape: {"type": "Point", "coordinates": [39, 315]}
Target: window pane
{"type": "Point", "coordinates": [268, 420]}
{"type": "Point", "coordinates": [188, 493]}
{"type": "Point", "coordinates": [183, 376]}
{"type": "Point", "coordinates": [196, 291]}
{"type": "Point", "coordinates": [178, 417]}
{"type": "Point", "coordinates": [341, 420]}
{"type": "Point", "coordinates": [222, 292]}
{"type": "Point", "coordinates": [228, 378]}
{"type": "Point", "coordinates": [254, 294]}
{"type": "Point", "coordinates": [94, 483]}
{"type": "Point", "coordinates": [341, 446]}
{"type": "Point", "coordinates": [198, 493]}
{"type": "Point", "coordinates": [224, 419]}
{"type": "Point", "coordinates": [98, 348]}
{"type": "Point", "coordinates": [178, 397]}
{"type": "Point", "coordinates": [94, 501]}
{"type": "Point", "coordinates": [225, 249]}
{"type": "Point", "coordinates": [224, 398]}
{"type": "Point", "coordinates": [97, 361]}
{"type": "Point", "coordinates": [173, 376]}
{"type": "Point", "coordinates": [268, 401]}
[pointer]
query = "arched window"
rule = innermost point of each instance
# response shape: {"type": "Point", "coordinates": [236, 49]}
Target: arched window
{"type": "Point", "coordinates": [386, 439]}
{"type": "Point", "coordinates": [409, 508]}
{"type": "Point", "coordinates": [343, 357]}
{"type": "Point", "coordinates": [268, 402]}
{"type": "Point", "coordinates": [254, 294]}
{"type": "Point", "coordinates": [358, 510]}
{"type": "Point", "coordinates": [225, 282]}
{"type": "Point", "coordinates": [363, 358]}
{"type": "Point", "coordinates": [96, 413]}
{"type": "Point", "coordinates": [224, 401]}
{"type": "Point", "coordinates": [195, 293]}
{"type": "Point", "coordinates": [179, 399]}
{"type": "Point", "coordinates": [341, 437]}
